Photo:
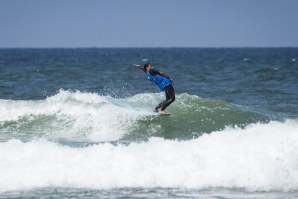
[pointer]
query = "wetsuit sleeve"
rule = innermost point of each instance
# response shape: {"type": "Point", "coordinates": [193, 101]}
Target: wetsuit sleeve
{"type": "Point", "coordinates": [143, 70]}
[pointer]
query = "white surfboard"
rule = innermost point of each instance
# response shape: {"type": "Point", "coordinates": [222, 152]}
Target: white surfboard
{"type": "Point", "coordinates": [164, 113]}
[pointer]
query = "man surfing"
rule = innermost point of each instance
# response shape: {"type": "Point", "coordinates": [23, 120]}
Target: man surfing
{"type": "Point", "coordinates": [164, 82]}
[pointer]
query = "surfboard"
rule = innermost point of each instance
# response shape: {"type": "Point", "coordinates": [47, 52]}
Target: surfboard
{"type": "Point", "coordinates": [164, 114]}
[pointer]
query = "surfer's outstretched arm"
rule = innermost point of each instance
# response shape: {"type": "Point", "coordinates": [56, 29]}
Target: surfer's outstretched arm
{"type": "Point", "coordinates": [140, 67]}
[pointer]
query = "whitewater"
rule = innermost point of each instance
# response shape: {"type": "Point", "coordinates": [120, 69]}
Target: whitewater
{"type": "Point", "coordinates": [85, 140]}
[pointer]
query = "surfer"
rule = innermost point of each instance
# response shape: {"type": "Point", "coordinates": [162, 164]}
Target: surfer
{"type": "Point", "coordinates": [164, 82]}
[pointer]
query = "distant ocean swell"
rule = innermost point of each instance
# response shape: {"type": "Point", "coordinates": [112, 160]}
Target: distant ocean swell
{"type": "Point", "coordinates": [259, 157]}
{"type": "Point", "coordinates": [81, 116]}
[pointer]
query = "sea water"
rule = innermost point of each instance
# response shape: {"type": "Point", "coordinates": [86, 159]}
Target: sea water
{"type": "Point", "coordinates": [78, 123]}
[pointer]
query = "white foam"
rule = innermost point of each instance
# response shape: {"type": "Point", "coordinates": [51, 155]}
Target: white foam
{"type": "Point", "coordinates": [261, 157]}
{"type": "Point", "coordinates": [77, 114]}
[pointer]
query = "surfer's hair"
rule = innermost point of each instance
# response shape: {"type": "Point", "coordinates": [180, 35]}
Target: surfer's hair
{"type": "Point", "coordinates": [146, 66]}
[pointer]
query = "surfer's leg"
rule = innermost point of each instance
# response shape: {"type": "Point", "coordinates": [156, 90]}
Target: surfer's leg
{"type": "Point", "coordinates": [161, 104]}
{"type": "Point", "coordinates": [170, 97]}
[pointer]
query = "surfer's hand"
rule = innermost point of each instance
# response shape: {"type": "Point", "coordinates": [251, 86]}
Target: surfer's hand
{"type": "Point", "coordinates": [172, 80]}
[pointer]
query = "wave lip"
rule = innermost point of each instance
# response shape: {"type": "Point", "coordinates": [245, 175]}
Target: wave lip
{"type": "Point", "coordinates": [260, 157]}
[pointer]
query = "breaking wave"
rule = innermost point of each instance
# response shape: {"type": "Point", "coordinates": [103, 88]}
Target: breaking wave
{"type": "Point", "coordinates": [91, 117]}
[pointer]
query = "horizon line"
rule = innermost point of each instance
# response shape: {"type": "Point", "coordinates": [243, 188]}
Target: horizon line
{"type": "Point", "coordinates": [90, 47]}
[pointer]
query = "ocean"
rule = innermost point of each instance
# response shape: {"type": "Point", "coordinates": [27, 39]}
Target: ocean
{"type": "Point", "coordinates": [79, 123]}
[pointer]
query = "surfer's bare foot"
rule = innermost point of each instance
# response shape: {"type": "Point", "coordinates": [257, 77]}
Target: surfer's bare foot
{"type": "Point", "coordinates": [155, 110]}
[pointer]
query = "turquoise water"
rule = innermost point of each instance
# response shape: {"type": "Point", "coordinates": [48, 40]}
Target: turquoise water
{"type": "Point", "coordinates": [78, 123]}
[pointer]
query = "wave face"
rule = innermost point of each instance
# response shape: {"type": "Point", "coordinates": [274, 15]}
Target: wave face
{"type": "Point", "coordinates": [81, 116]}
{"type": "Point", "coordinates": [259, 157]}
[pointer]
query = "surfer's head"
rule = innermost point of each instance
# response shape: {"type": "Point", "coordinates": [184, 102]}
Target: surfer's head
{"type": "Point", "coordinates": [147, 65]}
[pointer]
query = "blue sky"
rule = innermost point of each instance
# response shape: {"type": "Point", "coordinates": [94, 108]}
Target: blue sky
{"type": "Point", "coordinates": [144, 23]}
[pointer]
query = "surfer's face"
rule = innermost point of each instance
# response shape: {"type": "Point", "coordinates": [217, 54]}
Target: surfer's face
{"type": "Point", "coordinates": [149, 66]}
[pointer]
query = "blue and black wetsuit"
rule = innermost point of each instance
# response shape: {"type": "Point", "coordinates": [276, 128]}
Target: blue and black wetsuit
{"type": "Point", "coordinates": [164, 83]}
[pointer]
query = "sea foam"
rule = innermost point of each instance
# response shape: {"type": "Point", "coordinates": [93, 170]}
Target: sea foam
{"type": "Point", "coordinates": [70, 115]}
{"type": "Point", "coordinates": [260, 157]}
